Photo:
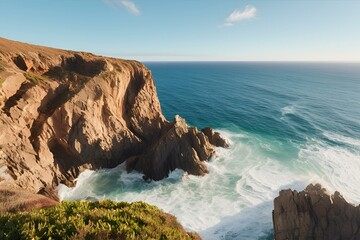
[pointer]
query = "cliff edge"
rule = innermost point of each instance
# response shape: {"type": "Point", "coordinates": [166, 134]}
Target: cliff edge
{"type": "Point", "coordinates": [314, 214]}
{"type": "Point", "coordinates": [62, 112]}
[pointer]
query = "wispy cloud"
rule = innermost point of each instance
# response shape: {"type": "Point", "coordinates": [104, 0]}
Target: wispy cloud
{"type": "Point", "coordinates": [127, 4]}
{"type": "Point", "coordinates": [237, 16]}
{"type": "Point", "coordinates": [130, 6]}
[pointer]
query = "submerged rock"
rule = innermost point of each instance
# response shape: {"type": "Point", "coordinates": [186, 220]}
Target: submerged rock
{"type": "Point", "coordinates": [62, 112]}
{"type": "Point", "coordinates": [314, 214]}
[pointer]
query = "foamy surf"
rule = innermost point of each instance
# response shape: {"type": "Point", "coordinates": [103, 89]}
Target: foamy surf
{"type": "Point", "coordinates": [235, 200]}
{"type": "Point", "coordinates": [289, 109]}
{"type": "Point", "coordinates": [336, 167]}
{"type": "Point", "coordinates": [342, 139]}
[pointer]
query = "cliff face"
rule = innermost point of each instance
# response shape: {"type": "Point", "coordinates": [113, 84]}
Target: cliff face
{"type": "Point", "coordinates": [62, 112]}
{"type": "Point", "coordinates": [313, 214]}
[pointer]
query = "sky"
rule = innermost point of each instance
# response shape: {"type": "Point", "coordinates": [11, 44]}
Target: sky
{"type": "Point", "coordinates": [190, 30]}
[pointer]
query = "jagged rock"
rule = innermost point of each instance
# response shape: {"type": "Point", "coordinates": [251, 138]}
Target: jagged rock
{"type": "Point", "coordinates": [314, 214]}
{"type": "Point", "coordinates": [179, 146]}
{"type": "Point", "coordinates": [215, 138]}
{"type": "Point", "coordinates": [62, 112]}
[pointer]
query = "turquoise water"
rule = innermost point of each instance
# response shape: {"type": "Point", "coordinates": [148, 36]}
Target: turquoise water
{"type": "Point", "coordinates": [289, 124]}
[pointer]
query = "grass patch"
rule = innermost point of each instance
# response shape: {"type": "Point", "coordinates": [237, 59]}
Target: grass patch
{"type": "Point", "coordinates": [35, 79]}
{"type": "Point", "coordinates": [93, 220]}
{"type": "Point", "coordinates": [15, 200]}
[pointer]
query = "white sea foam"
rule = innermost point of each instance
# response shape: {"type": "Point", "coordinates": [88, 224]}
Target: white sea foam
{"type": "Point", "coordinates": [289, 109]}
{"type": "Point", "coordinates": [342, 139]}
{"type": "Point", "coordinates": [233, 201]}
{"type": "Point", "coordinates": [337, 168]}
{"type": "Point", "coordinates": [80, 191]}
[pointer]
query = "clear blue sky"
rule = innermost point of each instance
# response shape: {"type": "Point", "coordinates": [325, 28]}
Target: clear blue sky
{"type": "Point", "coordinates": [190, 29]}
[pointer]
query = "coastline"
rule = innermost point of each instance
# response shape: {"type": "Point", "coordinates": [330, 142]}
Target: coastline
{"type": "Point", "coordinates": [288, 143]}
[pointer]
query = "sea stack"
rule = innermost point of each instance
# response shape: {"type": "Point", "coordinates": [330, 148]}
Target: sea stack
{"type": "Point", "coordinates": [62, 112]}
{"type": "Point", "coordinates": [314, 214]}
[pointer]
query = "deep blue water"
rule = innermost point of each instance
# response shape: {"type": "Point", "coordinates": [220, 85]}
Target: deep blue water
{"type": "Point", "coordinates": [290, 124]}
{"type": "Point", "coordinates": [252, 96]}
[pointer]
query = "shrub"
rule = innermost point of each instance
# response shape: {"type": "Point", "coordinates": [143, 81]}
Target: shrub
{"type": "Point", "coordinates": [35, 79]}
{"type": "Point", "coordinates": [93, 220]}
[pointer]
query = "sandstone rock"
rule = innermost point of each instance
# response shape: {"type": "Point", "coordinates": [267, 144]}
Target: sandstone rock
{"type": "Point", "coordinates": [215, 138]}
{"type": "Point", "coordinates": [314, 214]}
{"type": "Point", "coordinates": [63, 112]}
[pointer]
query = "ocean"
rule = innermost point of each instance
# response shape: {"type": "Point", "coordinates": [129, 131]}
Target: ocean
{"type": "Point", "coordinates": [289, 124]}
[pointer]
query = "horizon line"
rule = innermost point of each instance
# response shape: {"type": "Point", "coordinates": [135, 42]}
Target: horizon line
{"type": "Point", "coordinates": [140, 58]}
{"type": "Point", "coordinates": [335, 61]}
{"type": "Point", "coordinates": [247, 61]}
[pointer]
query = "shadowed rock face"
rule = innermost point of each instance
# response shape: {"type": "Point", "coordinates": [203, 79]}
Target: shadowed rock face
{"type": "Point", "coordinates": [62, 112]}
{"type": "Point", "coordinates": [313, 214]}
{"type": "Point", "coordinates": [179, 146]}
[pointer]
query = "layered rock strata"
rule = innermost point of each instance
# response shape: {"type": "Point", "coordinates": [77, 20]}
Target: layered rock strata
{"type": "Point", "coordinates": [314, 214]}
{"type": "Point", "coordinates": [62, 112]}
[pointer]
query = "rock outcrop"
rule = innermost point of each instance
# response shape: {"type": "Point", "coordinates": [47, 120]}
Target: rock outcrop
{"type": "Point", "coordinates": [62, 112]}
{"type": "Point", "coordinates": [314, 214]}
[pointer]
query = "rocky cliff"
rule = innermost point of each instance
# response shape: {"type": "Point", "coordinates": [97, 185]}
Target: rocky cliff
{"type": "Point", "coordinates": [62, 112]}
{"type": "Point", "coordinates": [314, 214]}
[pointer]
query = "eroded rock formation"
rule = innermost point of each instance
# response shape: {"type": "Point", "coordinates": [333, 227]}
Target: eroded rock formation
{"type": "Point", "coordinates": [314, 214]}
{"type": "Point", "coordinates": [62, 112]}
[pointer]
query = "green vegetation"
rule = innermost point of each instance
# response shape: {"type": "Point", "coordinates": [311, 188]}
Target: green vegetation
{"type": "Point", "coordinates": [93, 220]}
{"type": "Point", "coordinates": [35, 79]}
